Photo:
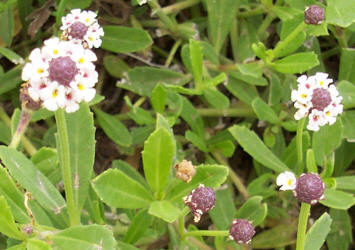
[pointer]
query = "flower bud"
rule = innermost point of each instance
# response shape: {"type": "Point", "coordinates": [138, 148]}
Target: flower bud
{"type": "Point", "coordinates": [241, 231]}
{"type": "Point", "coordinates": [200, 200]}
{"type": "Point", "coordinates": [314, 14]}
{"type": "Point", "coordinates": [309, 188]}
{"type": "Point", "coordinates": [185, 171]}
{"type": "Point", "coordinates": [26, 100]}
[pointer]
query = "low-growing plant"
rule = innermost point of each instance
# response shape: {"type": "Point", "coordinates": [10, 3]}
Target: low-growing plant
{"type": "Point", "coordinates": [176, 124]}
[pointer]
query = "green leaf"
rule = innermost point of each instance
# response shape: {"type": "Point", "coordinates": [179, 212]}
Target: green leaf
{"type": "Point", "coordinates": [338, 199]}
{"type": "Point", "coordinates": [226, 147]}
{"type": "Point", "coordinates": [46, 160]}
{"type": "Point", "coordinates": [196, 140]}
{"type": "Point", "coordinates": [14, 197]}
{"type": "Point", "coordinates": [142, 80]}
{"type": "Point", "coordinates": [252, 144]}
{"type": "Point", "coordinates": [119, 190]}
{"type": "Point", "coordinates": [196, 58]}
{"type": "Point", "coordinates": [339, 12]}
{"type": "Point", "coordinates": [345, 183]}
{"type": "Point", "coordinates": [216, 99]}
{"type": "Point", "coordinates": [347, 91]}
{"type": "Point", "coordinates": [34, 244]}
{"type": "Point", "coordinates": [126, 246]}
{"type": "Point", "coordinates": [276, 237]}
{"type": "Point", "coordinates": [347, 64]}
{"type": "Point", "coordinates": [247, 78]}
{"type": "Point", "coordinates": [323, 144]}
{"type": "Point", "coordinates": [348, 120]}
{"type": "Point", "coordinates": [7, 222]}
{"type": "Point", "coordinates": [10, 80]}
{"type": "Point", "coordinates": [191, 116]}
{"type": "Point", "coordinates": [243, 91]}
{"type": "Point", "coordinates": [223, 212]}
{"type": "Point", "coordinates": [296, 63]}
{"type": "Point", "coordinates": [340, 235]}
{"type": "Point", "coordinates": [316, 235]}
{"type": "Point", "coordinates": [7, 24]}
{"type": "Point", "coordinates": [81, 4]}
{"type": "Point", "coordinates": [209, 175]}
{"type": "Point", "coordinates": [12, 56]}
{"type": "Point", "coordinates": [264, 111]}
{"type": "Point", "coordinates": [113, 128]}
{"type": "Point", "coordinates": [91, 237]}
{"type": "Point", "coordinates": [115, 66]}
{"type": "Point", "coordinates": [318, 30]}
{"type": "Point", "coordinates": [130, 171]}
{"type": "Point", "coordinates": [138, 227]}
{"type": "Point", "coordinates": [220, 16]}
{"type": "Point", "coordinates": [158, 153]}
{"type": "Point", "coordinates": [311, 162]}
{"type": "Point", "coordinates": [164, 210]}
{"type": "Point", "coordinates": [5, 135]}
{"type": "Point", "coordinates": [32, 179]}
{"type": "Point", "coordinates": [81, 134]}
{"type": "Point", "coordinates": [261, 186]}
{"type": "Point", "coordinates": [121, 39]}
{"type": "Point", "coordinates": [253, 210]}
{"type": "Point", "coordinates": [158, 99]}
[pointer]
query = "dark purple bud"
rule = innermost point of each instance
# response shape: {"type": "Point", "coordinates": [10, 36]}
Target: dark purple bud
{"type": "Point", "coordinates": [241, 231]}
{"type": "Point", "coordinates": [200, 200]}
{"type": "Point", "coordinates": [63, 70]}
{"type": "Point", "coordinates": [314, 14]}
{"type": "Point", "coordinates": [27, 229]}
{"type": "Point", "coordinates": [78, 30]}
{"type": "Point", "coordinates": [321, 99]}
{"type": "Point", "coordinates": [309, 188]}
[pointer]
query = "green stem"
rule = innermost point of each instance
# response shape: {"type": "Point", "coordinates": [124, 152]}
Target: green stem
{"type": "Point", "coordinates": [266, 23]}
{"type": "Point", "coordinates": [181, 222]}
{"type": "Point", "coordinates": [257, 11]}
{"type": "Point", "coordinates": [302, 225]}
{"type": "Point", "coordinates": [300, 126]}
{"type": "Point", "coordinates": [162, 15]}
{"type": "Point", "coordinates": [230, 112]}
{"type": "Point", "coordinates": [207, 233]}
{"type": "Point", "coordinates": [285, 43]}
{"type": "Point", "coordinates": [172, 53]}
{"type": "Point", "coordinates": [21, 128]}
{"type": "Point", "coordinates": [64, 154]}
{"type": "Point", "coordinates": [179, 6]}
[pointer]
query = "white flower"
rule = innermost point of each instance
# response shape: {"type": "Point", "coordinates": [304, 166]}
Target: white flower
{"type": "Point", "coordinates": [287, 181]}
{"type": "Point", "coordinates": [317, 99]}
{"type": "Point", "coordinates": [141, 2]}
{"type": "Point", "coordinates": [61, 75]}
{"type": "Point", "coordinates": [82, 26]}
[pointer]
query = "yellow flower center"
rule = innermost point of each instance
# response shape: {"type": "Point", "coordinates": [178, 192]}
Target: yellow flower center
{"type": "Point", "coordinates": [303, 96]}
{"type": "Point", "coordinates": [87, 20]}
{"type": "Point", "coordinates": [327, 113]}
{"type": "Point", "coordinates": [321, 83]}
{"type": "Point", "coordinates": [55, 93]}
{"type": "Point", "coordinates": [90, 38]}
{"type": "Point", "coordinates": [40, 71]}
{"type": "Point", "coordinates": [81, 60]}
{"type": "Point", "coordinates": [55, 51]}
{"type": "Point", "coordinates": [80, 86]}
{"type": "Point", "coordinates": [289, 182]}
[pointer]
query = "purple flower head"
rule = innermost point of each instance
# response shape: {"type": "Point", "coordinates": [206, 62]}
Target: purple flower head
{"type": "Point", "coordinates": [309, 188]}
{"type": "Point", "coordinates": [241, 231]}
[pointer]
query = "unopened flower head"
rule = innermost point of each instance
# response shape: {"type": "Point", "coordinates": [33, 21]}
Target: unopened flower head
{"type": "Point", "coordinates": [286, 180]}
{"type": "Point", "coordinates": [82, 27]}
{"type": "Point", "coordinates": [309, 188]}
{"type": "Point", "coordinates": [318, 99]}
{"type": "Point", "coordinates": [200, 201]}
{"type": "Point", "coordinates": [314, 14]}
{"type": "Point", "coordinates": [241, 231]}
{"type": "Point", "coordinates": [61, 74]}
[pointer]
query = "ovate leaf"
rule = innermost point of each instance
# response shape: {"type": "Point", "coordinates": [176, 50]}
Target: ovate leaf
{"type": "Point", "coordinates": [253, 210]}
{"type": "Point", "coordinates": [138, 227]}
{"type": "Point", "coordinates": [340, 12]}
{"type": "Point", "coordinates": [159, 150]}
{"type": "Point", "coordinates": [318, 232]}
{"type": "Point", "coordinates": [7, 222]}
{"type": "Point", "coordinates": [119, 190]}
{"type": "Point", "coordinates": [125, 39]}
{"type": "Point", "coordinates": [91, 237]}
{"type": "Point", "coordinates": [296, 63]}
{"type": "Point", "coordinates": [252, 144]}
{"type": "Point", "coordinates": [164, 210]}
{"type": "Point", "coordinates": [338, 199]}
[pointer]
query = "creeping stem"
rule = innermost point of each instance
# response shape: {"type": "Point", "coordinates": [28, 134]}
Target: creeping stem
{"type": "Point", "coordinates": [64, 156]}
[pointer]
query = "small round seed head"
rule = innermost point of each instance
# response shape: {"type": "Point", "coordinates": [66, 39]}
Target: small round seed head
{"type": "Point", "coordinates": [321, 99]}
{"type": "Point", "coordinates": [26, 100]}
{"type": "Point", "coordinates": [78, 30]}
{"type": "Point", "coordinates": [241, 231]}
{"type": "Point", "coordinates": [314, 14]}
{"type": "Point", "coordinates": [63, 70]}
{"type": "Point", "coordinates": [185, 171]}
{"type": "Point", "coordinates": [200, 200]}
{"type": "Point", "coordinates": [309, 188]}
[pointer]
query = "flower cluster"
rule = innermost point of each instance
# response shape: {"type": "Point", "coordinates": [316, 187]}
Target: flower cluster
{"type": "Point", "coordinates": [241, 231]}
{"type": "Point", "coordinates": [82, 27]}
{"type": "Point", "coordinates": [308, 188]}
{"type": "Point", "coordinates": [318, 99]}
{"type": "Point", "coordinates": [61, 74]}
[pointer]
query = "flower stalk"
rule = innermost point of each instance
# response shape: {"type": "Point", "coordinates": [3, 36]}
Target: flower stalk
{"type": "Point", "coordinates": [64, 156]}
{"type": "Point", "coordinates": [21, 128]}
{"type": "Point", "coordinates": [299, 144]}
{"type": "Point", "coordinates": [302, 225]}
